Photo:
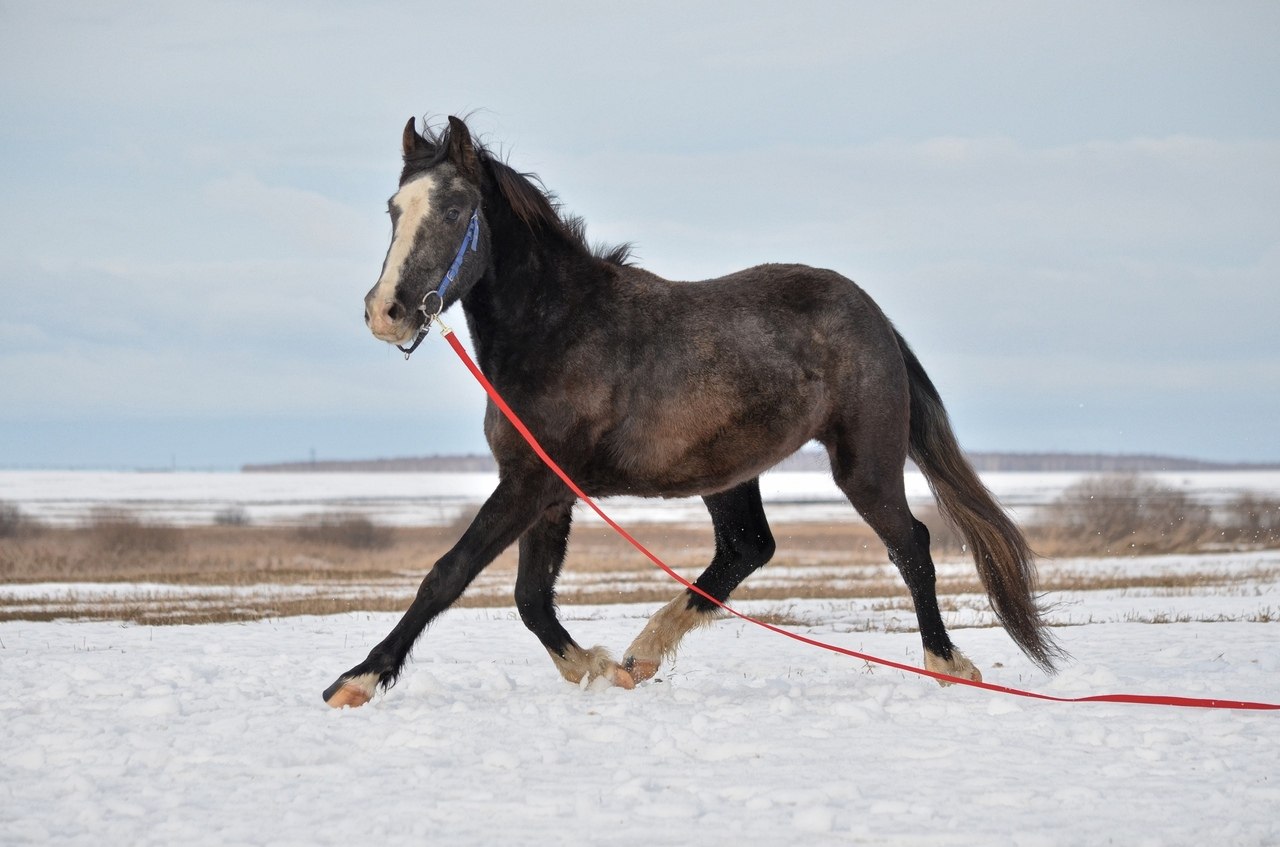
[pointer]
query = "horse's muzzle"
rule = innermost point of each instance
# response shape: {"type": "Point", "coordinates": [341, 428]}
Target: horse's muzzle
{"type": "Point", "coordinates": [391, 321]}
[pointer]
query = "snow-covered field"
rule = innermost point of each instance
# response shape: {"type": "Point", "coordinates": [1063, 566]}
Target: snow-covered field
{"type": "Point", "coordinates": [412, 499]}
{"type": "Point", "coordinates": [217, 735]}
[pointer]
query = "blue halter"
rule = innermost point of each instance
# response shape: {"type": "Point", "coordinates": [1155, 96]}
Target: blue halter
{"type": "Point", "coordinates": [470, 241]}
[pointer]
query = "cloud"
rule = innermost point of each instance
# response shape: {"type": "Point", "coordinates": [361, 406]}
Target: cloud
{"type": "Point", "coordinates": [122, 381]}
{"type": "Point", "coordinates": [1052, 204]}
{"type": "Point", "coordinates": [1154, 254]}
{"type": "Point", "coordinates": [952, 196]}
{"type": "Point", "coordinates": [1142, 269]}
{"type": "Point", "coordinates": [309, 219]}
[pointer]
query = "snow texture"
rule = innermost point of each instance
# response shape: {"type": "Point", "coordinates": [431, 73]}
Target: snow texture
{"type": "Point", "coordinates": [216, 734]}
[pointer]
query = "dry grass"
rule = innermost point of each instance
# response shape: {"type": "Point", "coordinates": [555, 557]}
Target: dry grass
{"type": "Point", "coordinates": [234, 571]}
{"type": "Point", "coordinates": [221, 573]}
{"type": "Point", "coordinates": [118, 535]}
{"type": "Point", "coordinates": [354, 532]}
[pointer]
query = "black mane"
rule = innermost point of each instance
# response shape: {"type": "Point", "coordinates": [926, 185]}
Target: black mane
{"type": "Point", "coordinates": [535, 204]}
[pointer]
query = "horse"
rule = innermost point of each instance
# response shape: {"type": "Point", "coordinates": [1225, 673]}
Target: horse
{"type": "Point", "coordinates": [642, 386]}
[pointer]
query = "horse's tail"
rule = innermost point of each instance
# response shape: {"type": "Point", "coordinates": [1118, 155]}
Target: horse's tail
{"type": "Point", "coordinates": [1005, 561]}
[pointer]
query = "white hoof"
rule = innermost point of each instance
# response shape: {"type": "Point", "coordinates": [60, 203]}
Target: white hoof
{"type": "Point", "coordinates": [592, 665]}
{"type": "Point", "coordinates": [640, 669]}
{"type": "Point", "coordinates": [352, 693]}
{"type": "Point", "coordinates": [959, 667]}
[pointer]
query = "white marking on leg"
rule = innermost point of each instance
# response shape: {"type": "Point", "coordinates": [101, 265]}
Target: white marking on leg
{"type": "Point", "coordinates": [662, 635]}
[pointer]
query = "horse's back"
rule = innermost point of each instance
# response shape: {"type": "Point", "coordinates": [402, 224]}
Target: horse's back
{"type": "Point", "coordinates": [783, 322]}
{"type": "Point", "coordinates": [791, 293]}
{"type": "Point", "coordinates": [711, 382]}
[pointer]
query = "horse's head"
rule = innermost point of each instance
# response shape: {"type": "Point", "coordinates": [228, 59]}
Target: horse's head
{"type": "Point", "coordinates": [432, 232]}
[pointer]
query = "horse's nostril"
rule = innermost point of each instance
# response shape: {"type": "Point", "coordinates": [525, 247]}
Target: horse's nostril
{"type": "Point", "coordinates": [395, 311]}
{"type": "Point", "coordinates": [366, 315]}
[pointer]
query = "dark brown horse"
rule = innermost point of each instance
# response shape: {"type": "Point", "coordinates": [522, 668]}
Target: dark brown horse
{"type": "Point", "coordinates": [646, 387]}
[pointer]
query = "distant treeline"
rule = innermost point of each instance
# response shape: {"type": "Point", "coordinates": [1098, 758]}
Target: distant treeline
{"type": "Point", "coordinates": [805, 460]}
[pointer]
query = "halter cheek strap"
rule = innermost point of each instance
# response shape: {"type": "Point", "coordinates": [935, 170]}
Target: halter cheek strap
{"type": "Point", "coordinates": [433, 301]}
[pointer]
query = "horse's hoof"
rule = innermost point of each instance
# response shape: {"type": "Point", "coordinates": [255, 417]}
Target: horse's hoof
{"type": "Point", "coordinates": [959, 666]}
{"type": "Point", "coordinates": [972, 674]}
{"type": "Point", "coordinates": [640, 670]}
{"type": "Point", "coordinates": [352, 693]}
{"type": "Point", "coordinates": [622, 679]}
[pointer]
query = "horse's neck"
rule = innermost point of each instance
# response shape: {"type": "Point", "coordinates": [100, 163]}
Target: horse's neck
{"type": "Point", "coordinates": [527, 296]}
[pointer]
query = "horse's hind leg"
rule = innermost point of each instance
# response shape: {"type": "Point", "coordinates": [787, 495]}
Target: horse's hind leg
{"type": "Point", "coordinates": [874, 485]}
{"type": "Point", "coordinates": [542, 551]}
{"type": "Point", "coordinates": [743, 544]}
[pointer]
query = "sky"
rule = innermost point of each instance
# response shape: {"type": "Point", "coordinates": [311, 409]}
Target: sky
{"type": "Point", "coordinates": [1072, 212]}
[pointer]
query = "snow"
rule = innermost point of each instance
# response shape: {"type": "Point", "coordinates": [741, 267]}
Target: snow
{"type": "Point", "coordinates": [64, 497]}
{"type": "Point", "coordinates": [216, 734]}
{"type": "Point", "coordinates": [423, 499]}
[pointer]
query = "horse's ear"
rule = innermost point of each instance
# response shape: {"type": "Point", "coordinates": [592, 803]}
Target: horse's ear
{"type": "Point", "coordinates": [462, 152]}
{"type": "Point", "coordinates": [411, 142]}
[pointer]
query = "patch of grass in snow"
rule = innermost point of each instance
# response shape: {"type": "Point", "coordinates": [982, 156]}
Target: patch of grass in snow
{"type": "Point", "coordinates": [337, 564]}
{"type": "Point", "coordinates": [1267, 615]}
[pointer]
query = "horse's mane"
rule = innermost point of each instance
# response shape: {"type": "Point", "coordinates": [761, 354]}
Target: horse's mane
{"type": "Point", "coordinates": [533, 203]}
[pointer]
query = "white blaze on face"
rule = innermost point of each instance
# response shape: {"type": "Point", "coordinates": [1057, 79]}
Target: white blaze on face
{"type": "Point", "coordinates": [413, 204]}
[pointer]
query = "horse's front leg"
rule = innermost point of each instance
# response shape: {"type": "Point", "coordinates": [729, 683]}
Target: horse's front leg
{"type": "Point", "coordinates": [542, 551]}
{"type": "Point", "coordinates": [513, 506]}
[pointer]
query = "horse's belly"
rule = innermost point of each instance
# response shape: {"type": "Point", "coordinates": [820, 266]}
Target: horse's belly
{"type": "Point", "coordinates": [691, 448]}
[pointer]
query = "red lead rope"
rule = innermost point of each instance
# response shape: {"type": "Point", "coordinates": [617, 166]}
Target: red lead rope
{"type": "Point", "coordinates": [1148, 699]}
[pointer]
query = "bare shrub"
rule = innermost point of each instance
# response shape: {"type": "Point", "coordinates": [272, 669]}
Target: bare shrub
{"type": "Point", "coordinates": [116, 532]}
{"type": "Point", "coordinates": [1123, 514]}
{"type": "Point", "coordinates": [355, 532]}
{"type": "Point", "coordinates": [12, 521]}
{"type": "Point", "coordinates": [232, 516]}
{"type": "Point", "coordinates": [1252, 520]}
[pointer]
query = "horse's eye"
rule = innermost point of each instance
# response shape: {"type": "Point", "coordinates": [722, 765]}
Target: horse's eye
{"type": "Point", "coordinates": [452, 215]}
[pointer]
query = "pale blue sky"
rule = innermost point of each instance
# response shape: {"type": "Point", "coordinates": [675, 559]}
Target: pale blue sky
{"type": "Point", "coordinates": [1071, 211]}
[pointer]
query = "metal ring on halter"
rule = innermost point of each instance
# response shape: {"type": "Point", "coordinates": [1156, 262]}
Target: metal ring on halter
{"type": "Point", "coordinates": [428, 315]}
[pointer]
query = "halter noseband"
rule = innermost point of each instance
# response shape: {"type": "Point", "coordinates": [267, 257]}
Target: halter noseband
{"type": "Point", "coordinates": [471, 241]}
